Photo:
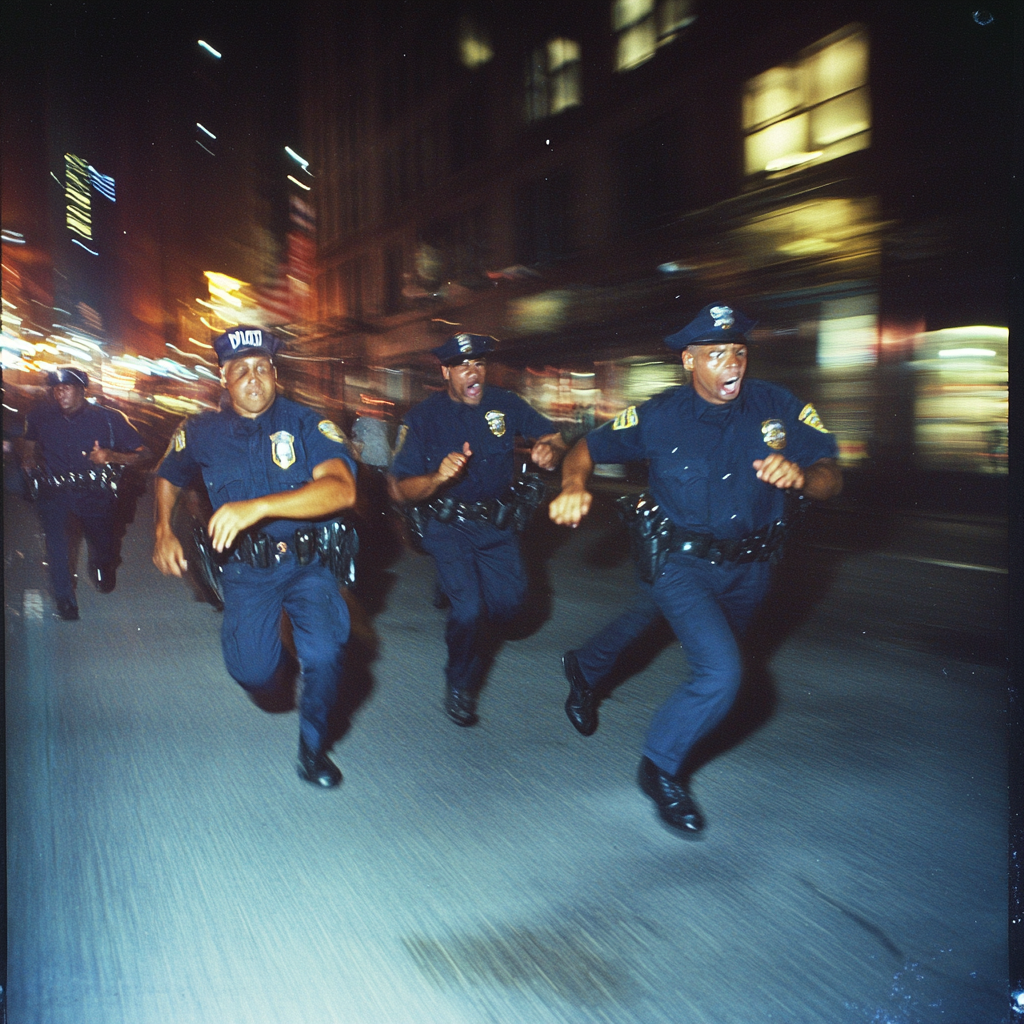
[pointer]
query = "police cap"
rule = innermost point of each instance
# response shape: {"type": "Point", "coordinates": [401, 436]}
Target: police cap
{"type": "Point", "coordinates": [461, 347]}
{"type": "Point", "coordinates": [714, 323]}
{"type": "Point", "coordinates": [67, 375]}
{"type": "Point", "coordinates": [246, 341]}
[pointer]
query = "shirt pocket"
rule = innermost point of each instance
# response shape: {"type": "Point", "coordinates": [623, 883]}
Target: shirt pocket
{"type": "Point", "coordinates": [682, 480]}
{"type": "Point", "coordinates": [224, 486]}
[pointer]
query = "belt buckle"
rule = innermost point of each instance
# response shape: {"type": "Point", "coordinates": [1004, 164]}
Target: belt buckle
{"type": "Point", "coordinates": [698, 545]}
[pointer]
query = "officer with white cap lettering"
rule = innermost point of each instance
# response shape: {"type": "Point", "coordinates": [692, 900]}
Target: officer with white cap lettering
{"type": "Point", "coordinates": [276, 472]}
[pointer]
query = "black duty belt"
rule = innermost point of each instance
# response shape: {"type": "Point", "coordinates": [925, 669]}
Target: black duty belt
{"type": "Point", "coordinates": [653, 537]}
{"type": "Point", "coordinates": [514, 509]}
{"type": "Point", "coordinates": [101, 480]}
{"type": "Point", "coordinates": [333, 544]}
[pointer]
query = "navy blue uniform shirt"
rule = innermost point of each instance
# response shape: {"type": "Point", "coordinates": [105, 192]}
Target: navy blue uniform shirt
{"type": "Point", "coordinates": [701, 455]}
{"type": "Point", "coordinates": [243, 458]}
{"type": "Point", "coordinates": [438, 426]}
{"type": "Point", "coordinates": [65, 441]}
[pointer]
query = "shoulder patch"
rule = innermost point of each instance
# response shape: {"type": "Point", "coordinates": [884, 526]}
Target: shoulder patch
{"type": "Point", "coordinates": [177, 443]}
{"type": "Point", "coordinates": [626, 419]}
{"type": "Point", "coordinates": [403, 433]}
{"type": "Point", "coordinates": [809, 416]}
{"type": "Point", "coordinates": [331, 431]}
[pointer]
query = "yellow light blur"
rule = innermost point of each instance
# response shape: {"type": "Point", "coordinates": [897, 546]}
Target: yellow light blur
{"type": "Point", "coordinates": [76, 191]}
{"type": "Point", "coordinates": [179, 404]}
{"type": "Point", "coordinates": [199, 343]}
{"type": "Point", "coordinates": [229, 284]}
{"type": "Point", "coordinates": [219, 293]}
{"type": "Point", "coordinates": [474, 46]}
{"type": "Point", "coordinates": [216, 330]}
{"type": "Point", "coordinates": [295, 181]}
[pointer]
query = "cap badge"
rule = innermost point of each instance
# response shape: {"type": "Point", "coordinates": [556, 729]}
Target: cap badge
{"type": "Point", "coordinates": [465, 342]}
{"type": "Point", "coordinates": [722, 315]}
{"type": "Point", "coordinates": [496, 421]}
{"type": "Point", "coordinates": [774, 432]}
{"type": "Point", "coordinates": [282, 449]}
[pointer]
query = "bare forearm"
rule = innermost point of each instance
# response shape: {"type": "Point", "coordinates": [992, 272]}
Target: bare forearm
{"type": "Point", "coordinates": [577, 466]}
{"type": "Point", "coordinates": [414, 489]}
{"type": "Point", "coordinates": [166, 498]}
{"type": "Point", "coordinates": [135, 458]}
{"type": "Point", "coordinates": [823, 480]}
{"type": "Point", "coordinates": [318, 498]}
{"type": "Point", "coordinates": [573, 502]}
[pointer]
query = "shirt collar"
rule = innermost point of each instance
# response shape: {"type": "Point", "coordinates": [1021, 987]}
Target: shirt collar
{"type": "Point", "coordinates": [709, 412]}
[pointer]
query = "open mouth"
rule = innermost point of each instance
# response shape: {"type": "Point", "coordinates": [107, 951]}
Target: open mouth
{"type": "Point", "coordinates": [731, 386]}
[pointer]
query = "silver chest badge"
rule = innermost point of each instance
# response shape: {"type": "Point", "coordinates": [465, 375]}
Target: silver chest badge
{"type": "Point", "coordinates": [282, 449]}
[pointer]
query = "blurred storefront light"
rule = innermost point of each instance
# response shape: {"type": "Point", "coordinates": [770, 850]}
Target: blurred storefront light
{"type": "Point", "coordinates": [838, 227]}
{"type": "Point", "coordinates": [961, 399]}
{"type": "Point", "coordinates": [848, 332]}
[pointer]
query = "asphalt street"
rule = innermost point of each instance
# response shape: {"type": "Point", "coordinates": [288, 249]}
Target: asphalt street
{"type": "Point", "coordinates": [166, 864]}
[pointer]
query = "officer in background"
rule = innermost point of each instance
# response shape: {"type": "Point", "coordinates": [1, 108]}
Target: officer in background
{"type": "Point", "coordinates": [455, 463]}
{"type": "Point", "coordinates": [273, 469]}
{"type": "Point", "coordinates": [723, 454]}
{"type": "Point", "coordinates": [66, 450]}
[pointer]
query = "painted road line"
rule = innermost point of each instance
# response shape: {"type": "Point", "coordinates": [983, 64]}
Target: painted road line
{"type": "Point", "coordinates": [915, 558]}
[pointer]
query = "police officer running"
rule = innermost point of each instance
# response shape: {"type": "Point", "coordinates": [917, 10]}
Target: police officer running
{"type": "Point", "coordinates": [73, 453]}
{"type": "Point", "coordinates": [455, 464]}
{"type": "Point", "coordinates": [723, 454]}
{"type": "Point", "coordinates": [272, 464]}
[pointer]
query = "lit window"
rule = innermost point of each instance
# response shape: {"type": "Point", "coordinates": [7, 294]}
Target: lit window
{"type": "Point", "coordinates": [553, 79]}
{"type": "Point", "coordinates": [474, 44]}
{"type": "Point", "coordinates": [813, 110]}
{"type": "Point", "coordinates": [641, 26]}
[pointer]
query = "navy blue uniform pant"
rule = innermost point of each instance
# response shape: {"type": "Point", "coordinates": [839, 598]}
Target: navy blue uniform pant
{"type": "Point", "coordinates": [99, 526]}
{"type": "Point", "coordinates": [709, 608]}
{"type": "Point", "coordinates": [480, 571]}
{"type": "Point", "coordinates": [251, 635]}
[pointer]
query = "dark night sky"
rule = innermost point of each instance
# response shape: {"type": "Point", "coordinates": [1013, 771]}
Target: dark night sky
{"type": "Point", "coordinates": [110, 69]}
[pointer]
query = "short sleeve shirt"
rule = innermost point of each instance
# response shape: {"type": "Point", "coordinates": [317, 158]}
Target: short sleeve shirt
{"type": "Point", "coordinates": [438, 426]}
{"type": "Point", "coordinates": [701, 455]}
{"type": "Point", "coordinates": [242, 458]}
{"type": "Point", "coordinates": [65, 441]}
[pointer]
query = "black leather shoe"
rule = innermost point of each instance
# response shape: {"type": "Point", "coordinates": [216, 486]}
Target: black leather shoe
{"type": "Point", "coordinates": [316, 767]}
{"type": "Point", "coordinates": [581, 704]}
{"type": "Point", "coordinates": [67, 610]}
{"type": "Point", "coordinates": [460, 706]}
{"type": "Point", "coordinates": [104, 577]}
{"type": "Point", "coordinates": [675, 805]}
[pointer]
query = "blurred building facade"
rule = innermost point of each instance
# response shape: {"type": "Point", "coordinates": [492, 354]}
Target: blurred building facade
{"type": "Point", "coordinates": [578, 177]}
